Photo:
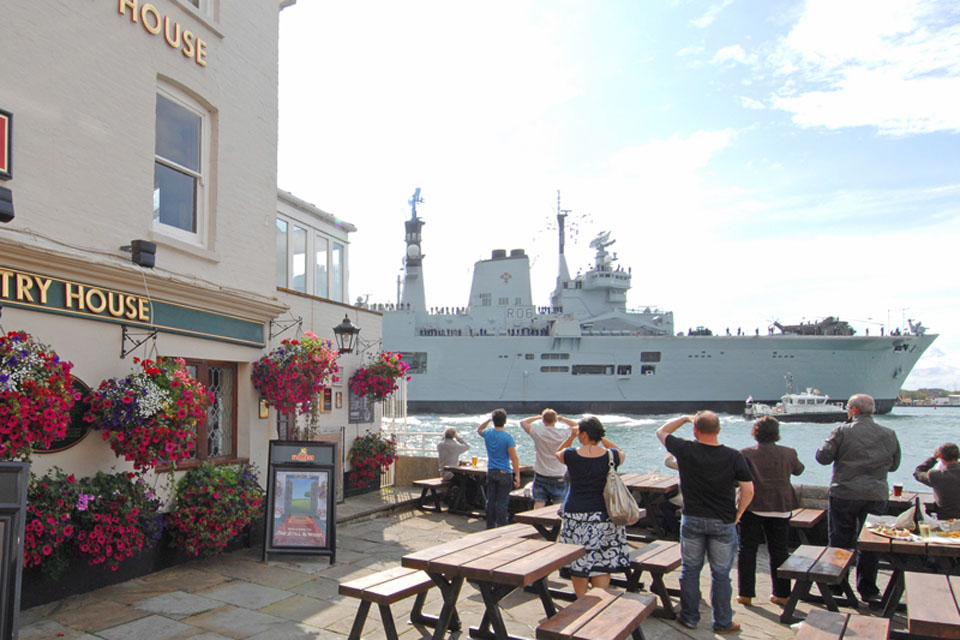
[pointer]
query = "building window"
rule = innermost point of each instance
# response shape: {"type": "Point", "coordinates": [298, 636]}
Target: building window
{"type": "Point", "coordinates": [554, 369]}
{"type": "Point", "coordinates": [217, 438]}
{"type": "Point", "coordinates": [320, 253]}
{"type": "Point", "coordinates": [649, 356]}
{"type": "Point", "coordinates": [528, 356]}
{"type": "Point", "coordinates": [485, 299]}
{"type": "Point", "coordinates": [624, 370]}
{"type": "Point", "coordinates": [593, 369]}
{"type": "Point", "coordinates": [282, 266]}
{"type": "Point", "coordinates": [417, 361]}
{"type": "Point", "coordinates": [648, 369]}
{"type": "Point", "coordinates": [298, 254]}
{"type": "Point", "coordinates": [503, 301]}
{"type": "Point", "coordinates": [180, 164]}
{"type": "Point", "coordinates": [554, 356]}
{"type": "Point", "coordinates": [336, 273]}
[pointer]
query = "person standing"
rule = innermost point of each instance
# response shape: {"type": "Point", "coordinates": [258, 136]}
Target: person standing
{"type": "Point", "coordinates": [767, 518]}
{"type": "Point", "coordinates": [585, 518]}
{"type": "Point", "coordinates": [710, 474]}
{"type": "Point", "coordinates": [548, 471]}
{"type": "Point", "coordinates": [501, 454]}
{"type": "Point", "coordinates": [862, 453]}
{"type": "Point", "coordinates": [449, 450]}
{"type": "Point", "coordinates": [945, 479]}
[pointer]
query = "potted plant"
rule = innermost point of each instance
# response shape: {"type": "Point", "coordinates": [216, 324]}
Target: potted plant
{"type": "Point", "coordinates": [379, 380]}
{"type": "Point", "coordinates": [150, 417]}
{"type": "Point", "coordinates": [369, 454]}
{"type": "Point", "coordinates": [35, 395]}
{"type": "Point", "coordinates": [212, 506]}
{"type": "Point", "coordinates": [292, 374]}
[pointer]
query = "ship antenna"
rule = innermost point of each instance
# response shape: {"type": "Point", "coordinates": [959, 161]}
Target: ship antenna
{"type": "Point", "coordinates": [561, 216]}
{"type": "Point", "coordinates": [414, 201]}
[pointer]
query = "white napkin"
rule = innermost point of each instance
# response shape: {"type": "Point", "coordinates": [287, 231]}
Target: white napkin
{"type": "Point", "coordinates": [905, 520]}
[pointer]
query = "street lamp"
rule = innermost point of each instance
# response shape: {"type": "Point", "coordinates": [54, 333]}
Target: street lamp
{"type": "Point", "coordinates": [346, 335]}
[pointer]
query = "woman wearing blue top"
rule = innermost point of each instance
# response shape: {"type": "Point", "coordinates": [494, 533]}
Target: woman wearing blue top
{"type": "Point", "coordinates": [585, 519]}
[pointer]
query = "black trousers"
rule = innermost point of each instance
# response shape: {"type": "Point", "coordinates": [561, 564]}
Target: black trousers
{"type": "Point", "coordinates": [845, 518]}
{"type": "Point", "coordinates": [754, 531]}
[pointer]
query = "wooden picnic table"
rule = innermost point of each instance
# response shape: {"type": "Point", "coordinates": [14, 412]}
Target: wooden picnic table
{"type": "Point", "coordinates": [932, 608]}
{"type": "Point", "coordinates": [904, 556]}
{"type": "Point", "coordinates": [898, 504]}
{"type": "Point", "coordinates": [651, 490]}
{"type": "Point", "coordinates": [467, 476]}
{"type": "Point", "coordinates": [547, 520]}
{"type": "Point", "coordinates": [497, 561]}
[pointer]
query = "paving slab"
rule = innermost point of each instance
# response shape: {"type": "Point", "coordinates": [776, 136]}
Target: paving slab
{"type": "Point", "coordinates": [178, 604]}
{"type": "Point", "coordinates": [247, 595]}
{"type": "Point", "coordinates": [151, 628]}
{"type": "Point", "coordinates": [98, 615]}
{"type": "Point", "coordinates": [234, 622]}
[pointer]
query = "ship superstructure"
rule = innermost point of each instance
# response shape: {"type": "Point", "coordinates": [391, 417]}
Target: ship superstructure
{"type": "Point", "coordinates": [587, 352]}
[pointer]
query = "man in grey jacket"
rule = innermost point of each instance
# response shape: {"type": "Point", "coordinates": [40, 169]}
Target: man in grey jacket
{"type": "Point", "coordinates": [862, 453]}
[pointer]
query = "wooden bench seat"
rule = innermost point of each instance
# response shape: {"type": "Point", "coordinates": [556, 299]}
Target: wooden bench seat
{"type": "Point", "coordinates": [658, 559]}
{"type": "Point", "coordinates": [385, 588]}
{"type": "Point", "coordinates": [803, 520]}
{"type": "Point", "coordinates": [825, 566]}
{"type": "Point", "coordinates": [828, 625]}
{"type": "Point", "coordinates": [600, 615]}
{"type": "Point", "coordinates": [430, 486]}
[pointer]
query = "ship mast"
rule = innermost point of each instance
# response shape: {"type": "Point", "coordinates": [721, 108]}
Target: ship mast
{"type": "Point", "coordinates": [413, 292]}
{"type": "Point", "coordinates": [563, 274]}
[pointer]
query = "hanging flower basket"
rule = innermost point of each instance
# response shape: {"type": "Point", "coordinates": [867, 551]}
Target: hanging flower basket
{"type": "Point", "coordinates": [369, 454]}
{"type": "Point", "coordinates": [35, 395]}
{"type": "Point", "coordinates": [151, 416]}
{"type": "Point", "coordinates": [290, 375]}
{"type": "Point", "coordinates": [379, 380]}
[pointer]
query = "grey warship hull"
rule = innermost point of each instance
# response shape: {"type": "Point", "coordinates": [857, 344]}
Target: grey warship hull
{"type": "Point", "coordinates": [586, 352]}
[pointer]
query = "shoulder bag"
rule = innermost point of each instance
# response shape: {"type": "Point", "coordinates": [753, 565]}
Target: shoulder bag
{"type": "Point", "coordinates": [621, 507]}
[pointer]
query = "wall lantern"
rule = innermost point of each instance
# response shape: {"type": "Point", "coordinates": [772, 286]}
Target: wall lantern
{"type": "Point", "coordinates": [142, 252]}
{"type": "Point", "coordinates": [6, 204]}
{"type": "Point", "coordinates": [346, 335]}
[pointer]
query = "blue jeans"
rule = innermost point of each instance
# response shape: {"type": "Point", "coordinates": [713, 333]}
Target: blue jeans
{"type": "Point", "coordinates": [549, 490]}
{"type": "Point", "coordinates": [845, 519]}
{"type": "Point", "coordinates": [499, 485]}
{"type": "Point", "coordinates": [717, 541]}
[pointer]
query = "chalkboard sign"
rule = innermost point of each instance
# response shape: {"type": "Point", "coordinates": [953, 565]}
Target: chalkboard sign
{"type": "Point", "coordinates": [77, 428]}
{"type": "Point", "coordinates": [301, 504]}
{"type": "Point", "coordinates": [360, 409]}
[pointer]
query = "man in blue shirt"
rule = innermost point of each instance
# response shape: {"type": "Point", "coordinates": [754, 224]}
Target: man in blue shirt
{"type": "Point", "coordinates": [501, 454]}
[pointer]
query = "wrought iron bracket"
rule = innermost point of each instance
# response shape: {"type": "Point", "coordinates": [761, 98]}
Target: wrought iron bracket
{"type": "Point", "coordinates": [285, 325]}
{"type": "Point", "coordinates": [130, 335]}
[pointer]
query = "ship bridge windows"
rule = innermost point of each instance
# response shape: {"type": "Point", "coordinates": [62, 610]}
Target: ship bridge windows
{"type": "Point", "coordinates": [554, 369]}
{"type": "Point", "coordinates": [624, 370]}
{"type": "Point", "coordinates": [528, 356]}
{"type": "Point", "coordinates": [780, 355]}
{"type": "Point", "coordinates": [486, 299]}
{"type": "Point", "coordinates": [554, 356]}
{"type": "Point", "coordinates": [649, 356]}
{"type": "Point", "coordinates": [593, 369]}
{"type": "Point", "coordinates": [648, 369]}
{"type": "Point", "coordinates": [503, 302]}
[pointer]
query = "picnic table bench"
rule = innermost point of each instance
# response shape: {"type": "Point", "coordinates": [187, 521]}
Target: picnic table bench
{"type": "Point", "coordinates": [658, 559]}
{"type": "Point", "coordinates": [829, 625]}
{"type": "Point", "coordinates": [932, 605]}
{"type": "Point", "coordinates": [384, 589]}
{"type": "Point", "coordinates": [430, 486]}
{"type": "Point", "coordinates": [599, 615]}
{"type": "Point", "coordinates": [825, 566]}
{"type": "Point", "coordinates": [651, 490]}
{"type": "Point", "coordinates": [802, 520]}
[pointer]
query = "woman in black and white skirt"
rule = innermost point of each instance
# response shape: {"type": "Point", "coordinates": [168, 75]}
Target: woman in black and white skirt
{"type": "Point", "coordinates": [585, 519]}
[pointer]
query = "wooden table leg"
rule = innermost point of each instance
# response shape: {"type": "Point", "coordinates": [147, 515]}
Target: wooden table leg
{"type": "Point", "coordinates": [658, 587]}
{"type": "Point", "coordinates": [800, 589]}
{"type": "Point", "coordinates": [448, 614]}
{"type": "Point", "coordinates": [492, 595]}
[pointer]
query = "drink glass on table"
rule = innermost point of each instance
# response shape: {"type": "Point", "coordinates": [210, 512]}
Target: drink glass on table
{"type": "Point", "coordinates": [898, 489]}
{"type": "Point", "coordinates": [474, 460]}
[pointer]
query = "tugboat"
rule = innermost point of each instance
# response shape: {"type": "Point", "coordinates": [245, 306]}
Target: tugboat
{"type": "Point", "coordinates": [586, 351]}
{"type": "Point", "coordinates": [808, 406]}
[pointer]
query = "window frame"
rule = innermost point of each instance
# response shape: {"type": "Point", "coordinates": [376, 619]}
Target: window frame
{"type": "Point", "coordinates": [313, 234]}
{"type": "Point", "coordinates": [202, 212]}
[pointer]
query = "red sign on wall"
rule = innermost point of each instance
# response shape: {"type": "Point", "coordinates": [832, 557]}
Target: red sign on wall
{"type": "Point", "coordinates": [6, 129]}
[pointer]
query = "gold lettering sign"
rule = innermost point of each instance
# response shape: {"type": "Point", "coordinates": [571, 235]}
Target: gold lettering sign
{"type": "Point", "coordinates": [38, 291]}
{"type": "Point", "coordinates": [148, 16]}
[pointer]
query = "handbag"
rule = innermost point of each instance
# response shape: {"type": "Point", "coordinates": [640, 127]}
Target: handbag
{"type": "Point", "coordinates": [621, 507]}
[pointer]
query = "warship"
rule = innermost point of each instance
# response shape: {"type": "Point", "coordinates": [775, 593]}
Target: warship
{"type": "Point", "coordinates": [587, 352]}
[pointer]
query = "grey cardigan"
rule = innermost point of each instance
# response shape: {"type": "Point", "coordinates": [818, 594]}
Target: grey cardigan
{"type": "Point", "coordinates": [862, 452]}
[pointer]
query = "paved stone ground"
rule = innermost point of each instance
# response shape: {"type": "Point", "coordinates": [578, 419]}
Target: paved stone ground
{"type": "Point", "coordinates": [295, 597]}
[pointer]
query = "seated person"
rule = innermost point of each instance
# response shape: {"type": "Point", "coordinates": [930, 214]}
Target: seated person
{"type": "Point", "coordinates": [944, 478]}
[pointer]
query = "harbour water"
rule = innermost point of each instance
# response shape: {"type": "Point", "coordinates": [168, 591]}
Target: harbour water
{"type": "Point", "coordinates": [920, 430]}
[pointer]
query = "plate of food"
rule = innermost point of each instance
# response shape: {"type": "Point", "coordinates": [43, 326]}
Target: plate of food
{"type": "Point", "coordinates": [887, 531]}
{"type": "Point", "coordinates": [949, 525]}
{"type": "Point", "coordinates": [945, 536]}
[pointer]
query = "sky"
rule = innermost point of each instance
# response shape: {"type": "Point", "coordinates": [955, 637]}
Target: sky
{"type": "Point", "coordinates": [754, 160]}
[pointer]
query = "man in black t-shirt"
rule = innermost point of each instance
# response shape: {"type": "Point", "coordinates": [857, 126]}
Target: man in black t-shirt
{"type": "Point", "coordinates": [710, 474]}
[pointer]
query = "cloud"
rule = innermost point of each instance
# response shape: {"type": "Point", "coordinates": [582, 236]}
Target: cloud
{"type": "Point", "coordinates": [692, 50]}
{"type": "Point", "coordinates": [707, 18]}
{"type": "Point", "coordinates": [890, 64]}
{"type": "Point", "coordinates": [733, 53]}
{"type": "Point", "coordinates": [750, 103]}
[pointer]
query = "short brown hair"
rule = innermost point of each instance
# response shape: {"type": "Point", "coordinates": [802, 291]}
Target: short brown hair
{"type": "Point", "coordinates": [549, 416]}
{"type": "Point", "coordinates": [706, 422]}
{"type": "Point", "coordinates": [949, 452]}
{"type": "Point", "coordinates": [766, 429]}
